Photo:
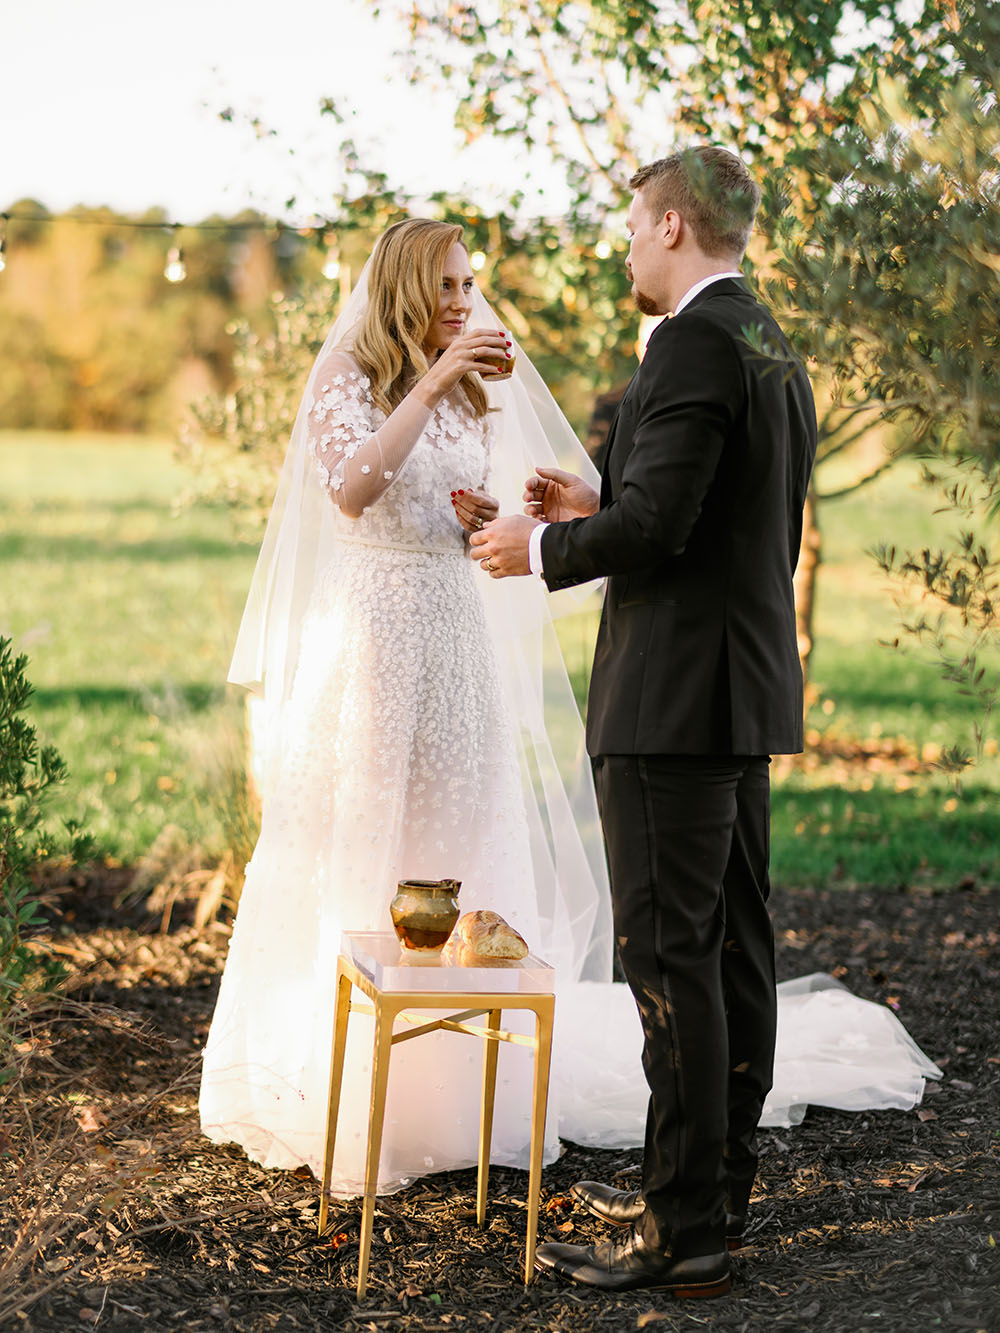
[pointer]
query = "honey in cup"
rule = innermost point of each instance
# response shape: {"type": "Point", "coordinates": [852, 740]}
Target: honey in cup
{"type": "Point", "coordinates": [504, 364]}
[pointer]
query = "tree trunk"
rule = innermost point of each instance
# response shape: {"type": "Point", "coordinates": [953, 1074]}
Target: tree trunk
{"type": "Point", "coordinates": [810, 555]}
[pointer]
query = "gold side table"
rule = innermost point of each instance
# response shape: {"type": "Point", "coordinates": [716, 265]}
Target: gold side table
{"type": "Point", "coordinates": [373, 963]}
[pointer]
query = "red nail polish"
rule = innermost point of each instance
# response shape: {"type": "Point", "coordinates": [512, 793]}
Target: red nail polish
{"type": "Point", "coordinates": [461, 492]}
{"type": "Point", "coordinates": [453, 495]}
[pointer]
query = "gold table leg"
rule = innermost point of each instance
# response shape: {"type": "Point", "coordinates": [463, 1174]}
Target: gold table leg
{"type": "Point", "coordinates": [386, 1011]}
{"type": "Point", "coordinates": [384, 1018]}
{"type": "Point", "coordinates": [543, 1057]}
{"type": "Point", "coordinates": [343, 1010]}
{"type": "Point", "coordinates": [492, 1050]}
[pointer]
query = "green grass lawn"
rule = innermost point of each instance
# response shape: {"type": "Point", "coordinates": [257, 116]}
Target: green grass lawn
{"type": "Point", "coordinates": [878, 823]}
{"type": "Point", "coordinates": [128, 613]}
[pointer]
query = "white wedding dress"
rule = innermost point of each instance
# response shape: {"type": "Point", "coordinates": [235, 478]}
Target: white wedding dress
{"type": "Point", "coordinates": [399, 760]}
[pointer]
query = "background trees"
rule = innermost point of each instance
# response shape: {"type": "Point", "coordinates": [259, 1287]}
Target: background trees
{"type": "Point", "coordinates": [93, 336]}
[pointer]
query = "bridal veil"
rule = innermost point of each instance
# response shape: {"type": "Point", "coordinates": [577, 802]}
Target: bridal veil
{"type": "Point", "coordinates": [527, 430]}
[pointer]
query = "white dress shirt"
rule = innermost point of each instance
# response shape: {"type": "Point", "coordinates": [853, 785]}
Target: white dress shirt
{"type": "Point", "coordinates": [535, 540]}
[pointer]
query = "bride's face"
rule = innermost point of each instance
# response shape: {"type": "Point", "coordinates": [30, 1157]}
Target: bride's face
{"type": "Point", "coordinates": [454, 302]}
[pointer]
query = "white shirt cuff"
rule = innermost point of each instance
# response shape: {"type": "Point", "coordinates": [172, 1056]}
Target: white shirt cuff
{"type": "Point", "coordinates": [535, 548]}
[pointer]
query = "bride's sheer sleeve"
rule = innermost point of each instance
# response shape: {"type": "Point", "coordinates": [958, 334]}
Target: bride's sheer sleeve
{"type": "Point", "coordinates": [357, 450]}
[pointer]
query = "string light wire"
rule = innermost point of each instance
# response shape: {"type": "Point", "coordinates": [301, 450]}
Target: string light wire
{"type": "Point", "coordinates": [175, 266]}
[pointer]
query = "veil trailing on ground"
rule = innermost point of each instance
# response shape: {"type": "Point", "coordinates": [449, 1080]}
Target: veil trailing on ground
{"type": "Point", "coordinates": [527, 430]}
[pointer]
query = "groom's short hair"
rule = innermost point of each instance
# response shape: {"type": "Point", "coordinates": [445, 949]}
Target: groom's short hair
{"type": "Point", "coordinates": [712, 191]}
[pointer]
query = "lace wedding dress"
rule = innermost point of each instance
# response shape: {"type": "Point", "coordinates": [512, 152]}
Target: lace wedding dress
{"type": "Point", "coordinates": [399, 760]}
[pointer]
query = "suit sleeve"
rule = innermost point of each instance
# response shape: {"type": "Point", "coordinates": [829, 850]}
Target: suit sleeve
{"type": "Point", "coordinates": [689, 394]}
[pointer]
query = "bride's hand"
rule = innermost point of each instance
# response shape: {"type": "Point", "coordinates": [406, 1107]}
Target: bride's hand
{"type": "Point", "coordinates": [557, 496]}
{"type": "Point", "coordinates": [474, 508]}
{"type": "Point", "coordinates": [463, 355]}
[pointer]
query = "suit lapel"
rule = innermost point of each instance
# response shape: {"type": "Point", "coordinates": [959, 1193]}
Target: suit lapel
{"type": "Point", "coordinates": [724, 287]}
{"type": "Point", "coordinates": [613, 433]}
{"type": "Point", "coordinates": [605, 471]}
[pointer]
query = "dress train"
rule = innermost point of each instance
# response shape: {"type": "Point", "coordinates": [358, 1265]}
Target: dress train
{"type": "Point", "coordinates": [833, 1049]}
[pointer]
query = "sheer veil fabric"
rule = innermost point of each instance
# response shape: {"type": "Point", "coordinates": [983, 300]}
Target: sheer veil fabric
{"type": "Point", "coordinates": [833, 1049]}
{"type": "Point", "coordinates": [266, 1060]}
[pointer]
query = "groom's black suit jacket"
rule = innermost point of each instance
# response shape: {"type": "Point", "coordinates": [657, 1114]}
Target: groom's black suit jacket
{"type": "Point", "coordinates": [704, 480]}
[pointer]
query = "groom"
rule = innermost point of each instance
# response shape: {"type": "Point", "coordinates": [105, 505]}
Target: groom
{"type": "Point", "coordinates": [696, 682]}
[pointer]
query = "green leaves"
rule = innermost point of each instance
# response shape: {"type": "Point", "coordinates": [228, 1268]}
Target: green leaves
{"type": "Point", "coordinates": [873, 132]}
{"type": "Point", "coordinates": [27, 771]}
{"type": "Point", "coordinates": [949, 597]}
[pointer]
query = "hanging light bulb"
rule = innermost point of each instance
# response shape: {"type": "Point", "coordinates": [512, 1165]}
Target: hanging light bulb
{"type": "Point", "coordinates": [477, 259]}
{"type": "Point", "coordinates": [175, 269]}
{"type": "Point", "coordinates": [331, 260]}
{"type": "Point", "coordinates": [603, 249]}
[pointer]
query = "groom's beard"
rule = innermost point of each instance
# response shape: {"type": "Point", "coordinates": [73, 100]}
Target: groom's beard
{"type": "Point", "coordinates": [644, 304]}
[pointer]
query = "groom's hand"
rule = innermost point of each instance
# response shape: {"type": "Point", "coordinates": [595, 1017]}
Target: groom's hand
{"type": "Point", "coordinates": [502, 546]}
{"type": "Point", "coordinates": [557, 496]}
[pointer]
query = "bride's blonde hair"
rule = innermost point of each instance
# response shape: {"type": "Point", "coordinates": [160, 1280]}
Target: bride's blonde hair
{"type": "Point", "coordinates": [404, 286]}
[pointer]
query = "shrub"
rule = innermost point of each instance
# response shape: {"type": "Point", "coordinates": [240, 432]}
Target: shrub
{"type": "Point", "coordinates": [27, 772]}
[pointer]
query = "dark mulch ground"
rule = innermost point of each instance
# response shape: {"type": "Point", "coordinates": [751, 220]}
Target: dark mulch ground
{"type": "Point", "coordinates": [884, 1221]}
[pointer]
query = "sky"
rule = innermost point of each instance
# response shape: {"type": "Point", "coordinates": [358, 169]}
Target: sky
{"type": "Point", "coordinates": [117, 102]}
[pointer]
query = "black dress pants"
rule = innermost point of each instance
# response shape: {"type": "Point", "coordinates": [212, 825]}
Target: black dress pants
{"type": "Point", "coordinates": [688, 845]}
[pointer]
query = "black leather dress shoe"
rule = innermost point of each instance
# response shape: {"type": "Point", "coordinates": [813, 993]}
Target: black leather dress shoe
{"type": "Point", "coordinates": [624, 1207]}
{"type": "Point", "coordinates": [619, 1207]}
{"type": "Point", "coordinates": [629, 1265]}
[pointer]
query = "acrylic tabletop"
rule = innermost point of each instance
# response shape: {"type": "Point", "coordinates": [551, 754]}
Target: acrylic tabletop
{"type": "Point", "coordinates": [390, 967]}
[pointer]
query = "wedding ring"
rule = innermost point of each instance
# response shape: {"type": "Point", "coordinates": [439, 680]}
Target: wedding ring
{"type": "Point", "coordinates": [479, 521]}
{"type": "Point", "coordinates": [488, 564]}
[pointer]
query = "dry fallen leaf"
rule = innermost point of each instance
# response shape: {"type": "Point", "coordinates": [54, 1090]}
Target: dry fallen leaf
{"type": "Point", "coordinates": [927, 1115]}
{"type": "Point", "coordinates": [650, 1317]}
{"type": "Point", "coordinates": [90, 1119]}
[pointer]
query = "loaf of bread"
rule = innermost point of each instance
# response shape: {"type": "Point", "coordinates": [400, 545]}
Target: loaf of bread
{"type": "Point", "coordinates": [461, 955]}
{"type": "Point", "coordinates": [483, 935]}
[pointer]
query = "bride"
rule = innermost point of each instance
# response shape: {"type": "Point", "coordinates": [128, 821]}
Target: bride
{"type": "Point", "coordinates": [418, 728]}
{"type": "Point", "coordinates": [421, 724]}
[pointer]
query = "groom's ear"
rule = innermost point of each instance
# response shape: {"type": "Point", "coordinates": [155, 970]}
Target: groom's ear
{"type": "Point", "coordinates": [671, 226]}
